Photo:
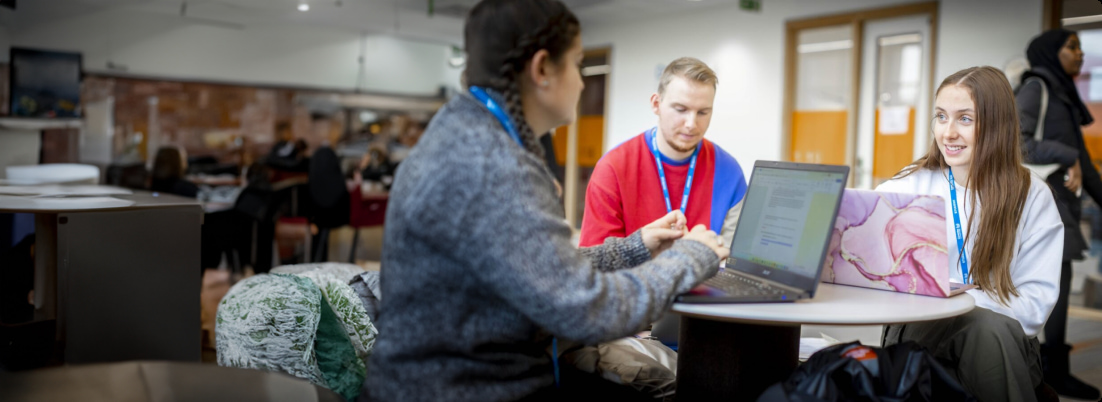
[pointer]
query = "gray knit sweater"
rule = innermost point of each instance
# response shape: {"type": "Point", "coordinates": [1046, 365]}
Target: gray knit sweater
{"type": "Point", "coordinates": [479, 271]}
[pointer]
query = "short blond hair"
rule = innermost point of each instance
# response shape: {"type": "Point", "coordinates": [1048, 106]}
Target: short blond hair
{"type": "Point", "coordinates": [689, 68]}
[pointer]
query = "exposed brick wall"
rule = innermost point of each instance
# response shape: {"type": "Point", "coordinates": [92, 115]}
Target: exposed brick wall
{"type": "Point", "coordinates": [60, 145]}
{"type": "Point", "coordinates": [233, 123]}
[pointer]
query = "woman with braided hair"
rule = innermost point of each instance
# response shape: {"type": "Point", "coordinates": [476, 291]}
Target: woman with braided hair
{"type": "Point", "coordinates": [480, 277]}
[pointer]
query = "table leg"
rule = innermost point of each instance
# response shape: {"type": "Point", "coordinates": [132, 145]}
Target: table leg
{"type": "Point", "coordinates": [732, 361]}
{"type": "Point", "coordinates": [355, 241]}
{"type": "Point", "coordinates": [45, 267]}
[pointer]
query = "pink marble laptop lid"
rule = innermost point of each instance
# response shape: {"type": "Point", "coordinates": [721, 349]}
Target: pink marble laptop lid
{"type": "Point", "coordinates": [890, 241]}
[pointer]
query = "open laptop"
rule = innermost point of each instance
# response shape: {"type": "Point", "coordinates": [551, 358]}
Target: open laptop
{"type": "Point", "coordinates": [892, 241]}
{"type": "Point", "coordinates": [782, 235]}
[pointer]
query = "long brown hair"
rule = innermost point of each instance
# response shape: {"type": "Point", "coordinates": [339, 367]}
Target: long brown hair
{"type": "Point", "coordinates": [997, 178]}
{"type": "Point", "coordinates": [501, 37]}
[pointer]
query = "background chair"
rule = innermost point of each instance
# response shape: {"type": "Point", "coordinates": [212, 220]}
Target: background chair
{"type": "Point", "coordinates": [364, 212]}
{"type": "Point", "coordinates": [133, 175]}
{"type": "Point", "coordinates": [260, 206]}
{"type": "Point", "coordinates": [293, 236]}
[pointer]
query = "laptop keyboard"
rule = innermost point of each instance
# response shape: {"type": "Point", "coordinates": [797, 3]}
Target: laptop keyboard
{"type": "Point", "coordinates": [737, 285]}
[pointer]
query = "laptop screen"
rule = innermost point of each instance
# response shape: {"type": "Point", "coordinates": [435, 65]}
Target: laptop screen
{"type": "Point", "coordinates": [786, 221]}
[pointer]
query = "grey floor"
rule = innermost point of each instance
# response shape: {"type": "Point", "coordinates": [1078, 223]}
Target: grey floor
{"type": "Point", "coordinates": [1085, 326]}
{"type": "Point", "coordinates": [1085, 335]}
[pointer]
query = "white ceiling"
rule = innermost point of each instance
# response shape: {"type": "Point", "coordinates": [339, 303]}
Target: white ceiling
{"type": "Point", "coordinates": [406, 18]}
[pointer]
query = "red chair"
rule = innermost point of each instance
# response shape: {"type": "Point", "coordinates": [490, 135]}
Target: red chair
{"type": "Point", "coordinates": [364, 211]}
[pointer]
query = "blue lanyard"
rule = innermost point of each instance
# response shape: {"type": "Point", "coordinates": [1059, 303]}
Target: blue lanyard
{"type": "Point", "coordinates": [662, 173]}
{"type": "Point", "coordinates": [496, 110]}
{"type": "Point", "coordinates": [555, 359]}
{"type": "Point", "coordinates": [956, 223]}
{"type": "Point", "coordinates": [507, 123]}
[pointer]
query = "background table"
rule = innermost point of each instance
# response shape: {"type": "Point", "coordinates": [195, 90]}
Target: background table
{"type": "Point", "coordinates": [736, 351]}
{"type": "Point", "coordinates": [121, 278]}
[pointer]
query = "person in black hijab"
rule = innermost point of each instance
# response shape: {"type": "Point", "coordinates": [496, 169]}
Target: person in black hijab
{"type": "Point", "coordinates": [1056, 58]}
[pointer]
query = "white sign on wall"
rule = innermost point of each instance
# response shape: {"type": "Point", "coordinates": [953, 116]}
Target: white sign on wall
{"type": "Point", "coordinates": [894, 120]}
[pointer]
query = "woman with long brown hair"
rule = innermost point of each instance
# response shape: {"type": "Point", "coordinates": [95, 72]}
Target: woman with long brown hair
{"type": "Point", "coordinates": [1008, 236]}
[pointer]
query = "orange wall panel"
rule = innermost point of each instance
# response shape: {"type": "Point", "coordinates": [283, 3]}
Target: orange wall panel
{"type": "Point", "coordinates": [892, 152]}
{"type": "Point", "coordinates": [1092, 134]}
{"type": "Point", "coordinates": [559, 142]}
{"type": "Point", "coordinates": [591, 139]}
{"type": "Point", "coordinates": [819, 137]}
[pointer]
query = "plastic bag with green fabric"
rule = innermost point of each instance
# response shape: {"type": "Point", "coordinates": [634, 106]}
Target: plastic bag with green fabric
{"type": "Point", "coordinates": [348, 308]}
{"type": "Point", "coordinates": [283, 323]}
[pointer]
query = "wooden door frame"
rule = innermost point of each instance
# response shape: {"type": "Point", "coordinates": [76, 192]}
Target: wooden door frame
{"type": "Point", "coordinates": [1052, 14]}
{"type": "Point", "coordinates": [605, 50]}
{"type": "Point", "coordinates": [570, 185]}
{"type": "Point", "coordinates": [856, 20]}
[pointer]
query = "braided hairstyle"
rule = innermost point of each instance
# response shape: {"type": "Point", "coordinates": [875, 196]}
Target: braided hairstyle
{"type": "Point", "coordinates": [501, 36]}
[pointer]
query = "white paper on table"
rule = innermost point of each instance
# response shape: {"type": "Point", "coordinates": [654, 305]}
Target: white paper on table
{"type": "Point", "coordinates": [62, 203]}
{"type": "Point", "coordinates": [894, 120]}
{"type": "Point", "coordinates": [63, 191]}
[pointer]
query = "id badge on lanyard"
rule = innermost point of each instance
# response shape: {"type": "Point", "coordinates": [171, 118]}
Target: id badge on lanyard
{"type": "Point", "coordinates": [956, 225]}
{"type": "Point", "coordinates": [662, 173]}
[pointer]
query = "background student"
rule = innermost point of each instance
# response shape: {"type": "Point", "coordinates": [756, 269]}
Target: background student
{"type": "Point", "coordinates": [647, 176]}
{"type": "Point", "coordinates": [169, 167]}
{"type": "Point", "coordinates": [1055, 58]}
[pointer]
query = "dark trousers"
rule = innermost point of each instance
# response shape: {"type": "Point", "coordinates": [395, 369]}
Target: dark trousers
{"type": "Point", "coordinates": [1055, 350]}
{"type": "Point", "coordinates": [1056, 328]}
{"type": "Point", "coordinates": [987, 352]}
{"type": "Point", "coordinates": [578, 385]}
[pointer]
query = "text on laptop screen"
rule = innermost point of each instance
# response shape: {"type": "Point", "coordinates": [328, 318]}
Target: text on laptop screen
{"type": "Point", "coordinates": [785, 217]}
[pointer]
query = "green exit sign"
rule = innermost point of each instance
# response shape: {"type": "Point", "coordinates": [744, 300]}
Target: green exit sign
{"type": "Point", "coordinates": [753, 5]}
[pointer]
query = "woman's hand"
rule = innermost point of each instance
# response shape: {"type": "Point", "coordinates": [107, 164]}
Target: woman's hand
{"type": "Point", "coordinates": [1074, 178]}
{"type": "Point", "coordinates": [701, 234]}
{"type": "Point", "coordinates": [660, 234]}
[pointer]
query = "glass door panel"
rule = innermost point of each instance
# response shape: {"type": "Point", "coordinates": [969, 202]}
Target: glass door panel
{"type": "Point", "coordinates": [824, 79]}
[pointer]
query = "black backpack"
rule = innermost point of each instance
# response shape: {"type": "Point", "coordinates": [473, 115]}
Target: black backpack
{"type": "Point", "coordinates": [854, 372]}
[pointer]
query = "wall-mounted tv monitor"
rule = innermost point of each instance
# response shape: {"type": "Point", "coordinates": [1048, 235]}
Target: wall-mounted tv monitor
{"type": "Point", "coordinates": [45, 83]}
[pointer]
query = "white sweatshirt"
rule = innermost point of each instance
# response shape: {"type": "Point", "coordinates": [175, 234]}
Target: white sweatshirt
{"type": "Point", "coordinates": [1039, 246]}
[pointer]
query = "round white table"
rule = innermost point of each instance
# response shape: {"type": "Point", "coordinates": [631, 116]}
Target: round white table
{"type": "Point", "coordinates": [736, 351]}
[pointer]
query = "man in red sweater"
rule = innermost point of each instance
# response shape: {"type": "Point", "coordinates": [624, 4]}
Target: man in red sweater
{"type": "Point", "coordinates": [630, 188]}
